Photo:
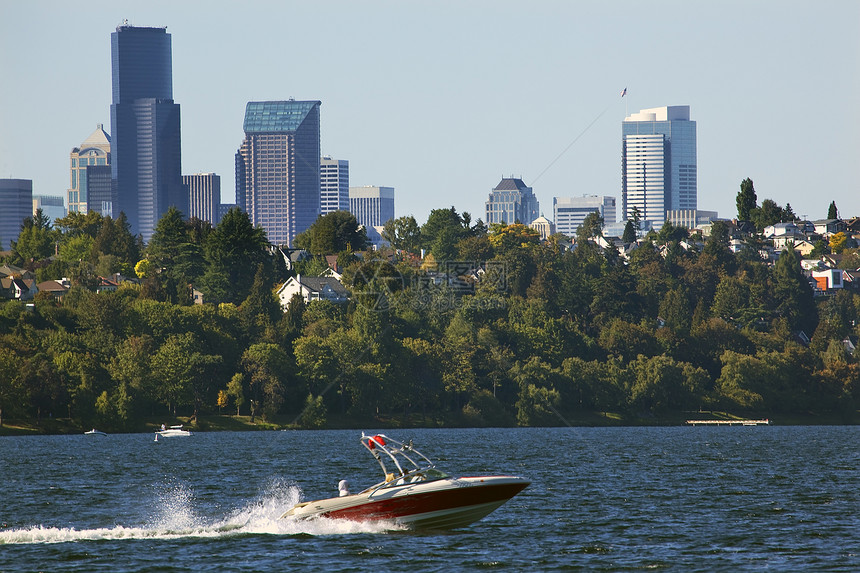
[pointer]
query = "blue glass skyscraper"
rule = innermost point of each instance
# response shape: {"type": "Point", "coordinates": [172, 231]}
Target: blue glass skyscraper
{"type": "Point", "coordinates": [658, 163]}
{"type": "Point", "coordinates": [146, 166]}
{"type": "Point", "coordinates": [278, 167]}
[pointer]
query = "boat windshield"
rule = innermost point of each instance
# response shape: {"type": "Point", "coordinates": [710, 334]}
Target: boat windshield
{"type": "Point", "coordinates": [401, 463]}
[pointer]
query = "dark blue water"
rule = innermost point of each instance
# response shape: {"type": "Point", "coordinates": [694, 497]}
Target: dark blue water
{"type": "Point", "coordinates": [612, 499]}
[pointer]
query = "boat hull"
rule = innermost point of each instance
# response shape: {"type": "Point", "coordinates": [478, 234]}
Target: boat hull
{"type": "Point", "coordinates": [441, 504]}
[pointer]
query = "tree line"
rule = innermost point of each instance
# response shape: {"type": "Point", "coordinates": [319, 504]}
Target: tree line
{"type": "Point", "coordinates": [491, 327]}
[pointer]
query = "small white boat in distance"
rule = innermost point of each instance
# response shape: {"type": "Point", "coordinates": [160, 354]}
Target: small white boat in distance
{"type": "Point", "coordinates": [172, 431]}
{"type": "Point", "coordinates": [95, 432]}
{"type": "Point", "coordinates": [414, 494]}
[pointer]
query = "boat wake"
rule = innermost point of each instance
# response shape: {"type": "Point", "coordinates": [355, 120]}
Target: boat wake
{"type": "Point", "coordinates": [175, 518]}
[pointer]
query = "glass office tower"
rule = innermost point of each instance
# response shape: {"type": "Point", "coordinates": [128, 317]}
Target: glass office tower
{"type": "Point", "coordinates": [512, 201]}
{"type": "Point", "coordinates": [146, 165]}
{"type": "Point", "coordinates": [658, 163]}
{"type": "Point", "coordinates": [278, 167]}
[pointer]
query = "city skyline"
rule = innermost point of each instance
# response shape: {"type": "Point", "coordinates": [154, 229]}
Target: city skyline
{"type": "Point", "coordinates": [435, 120]}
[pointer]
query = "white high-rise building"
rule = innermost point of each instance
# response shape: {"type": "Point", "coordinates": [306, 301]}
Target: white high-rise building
{"type": "Point", "coordinates": [372, 206]}
{"type": "Point", "coordinates": [569, 212]}
{"type": "Point", "coordinates": [658, 163]}
{"type": "Point", "coordinates": [334, 185]}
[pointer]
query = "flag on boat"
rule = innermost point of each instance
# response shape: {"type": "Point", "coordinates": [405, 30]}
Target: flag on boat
{"type": "Point", "coordinates": [624, 92]}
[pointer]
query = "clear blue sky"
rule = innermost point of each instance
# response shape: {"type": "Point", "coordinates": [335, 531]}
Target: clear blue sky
{"type": "Point", "coordinates": [441, 99]}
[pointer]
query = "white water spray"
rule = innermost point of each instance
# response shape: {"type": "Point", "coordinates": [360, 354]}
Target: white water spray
{"type": "Point", "coordinates": [175, 517]}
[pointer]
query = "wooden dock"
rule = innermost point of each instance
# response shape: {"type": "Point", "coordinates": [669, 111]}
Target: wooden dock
{"type": "Point", "coordinates": [728, 422]}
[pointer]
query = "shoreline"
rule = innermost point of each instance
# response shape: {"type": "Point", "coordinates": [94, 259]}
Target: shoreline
{"type": "Point", "coordinates": [226, 423]}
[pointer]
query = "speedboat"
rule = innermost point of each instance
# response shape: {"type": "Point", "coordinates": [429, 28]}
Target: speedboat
{"type": "Point", "coordinates": [95, 432]}
{"type": "Point", "coordinates": [414, 493]}
{"type": "Point", "coordinates": [173, 431]}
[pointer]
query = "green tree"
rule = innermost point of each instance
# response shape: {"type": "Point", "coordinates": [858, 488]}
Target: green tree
{"type": "Point", "coordinates": [402, 233]}
{"type": "Point", "coordinates": [441, 233]}
{"type": "Point", "coordinates": [832, 211]}
{"type": "Point", "coordinates": [235, 390]}
{"type": "Point", "coordinates": [167, 239]}
{"type": "Point", "coordinates": [332, 233]}
{"type": "Point", "coordinates": [629, 235]}
{"type": "Point", "coordinates": [268, 367]}
{"type": "Point", "coordinates": [36, 239]}
{"type": "Point", "coordinates": [746, 200]}
{"type": "Point", "coordinates": [792, 292]}
{"type": "Point", "coordinates": [234, 249]}
{"type": "Point", "coordinates": [592, 226]}
{"type": "Point", "coordinates": [114, 238]}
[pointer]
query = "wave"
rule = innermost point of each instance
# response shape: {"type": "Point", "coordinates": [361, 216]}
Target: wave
{"type": "Point", "coordinates": [174, 517]}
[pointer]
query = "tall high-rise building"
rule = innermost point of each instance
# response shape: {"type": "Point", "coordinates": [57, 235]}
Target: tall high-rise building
{"type": "Point", "coordinates": [278, 167]}
{"type": "Point", "coordinates": [570, 212]}
{"type": "Point", "coordinates": [334, 185]}
{"type": "Point", "coordinates": [204, 196]}
{"type": "Point", "coordinates": [512, 201]}
{"type": "Point", "coordinates": [658, 163]}
{"type": "Point", "coordinates": [372, 206]}
{"type": "Point", "coordinates": [53, 207]}
{"type": "Point", "coordinates": [16, 204]}
{"type": "Point", "coordinates": [87, 163]}
{"type": "Point", "coordinates": [146, 145]}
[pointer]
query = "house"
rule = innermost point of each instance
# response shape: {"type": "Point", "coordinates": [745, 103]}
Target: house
{"type": "Point", "coordinates": [828, 279]}
{"type": "Point", "coordinates": [107, 285]}
{"type": "Point", "coordinates": [851, 280]}
{"type": "Point", "coordinates": [196, 296]}
{"type": "Point", "coordinates": [17, 288]}
{"type": "Point", "coordinates": [812, 265]}
{"type": "Point", "coordinates": [13, 271]}
{"type": "Point", "coordinates": [780, 230]}
{"type": "Point", "coordinates": [829, 227]}
{"type": "Point", "coordinates": [57, 288]}
{"type": "Point", "coordinates": [311, 289]}
{"type": "Point", "coordinates": [782, 241]}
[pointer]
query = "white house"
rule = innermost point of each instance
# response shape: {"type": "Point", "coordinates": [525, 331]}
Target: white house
{"type": "Point", "coordinates": [311, 289]}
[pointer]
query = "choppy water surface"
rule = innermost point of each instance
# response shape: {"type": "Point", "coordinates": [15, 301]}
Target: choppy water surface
{"type": "Point", "coordinates": [601, 499]}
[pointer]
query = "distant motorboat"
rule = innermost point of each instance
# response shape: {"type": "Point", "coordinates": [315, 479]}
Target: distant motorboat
{"type": "Point", "coordinates": [173, 431]}
{"type": "Point", "coordinates": [95, 432]}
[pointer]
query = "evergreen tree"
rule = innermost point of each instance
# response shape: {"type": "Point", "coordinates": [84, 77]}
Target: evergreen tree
{"type": "Point", "coordinates": [832, 212]}
{"type": "Point", "coordinates": [746, 200]}
{"type": "Point", "coordinates": [234, 249]}
{"type": "Point", "coordinates": [629, 235]}
{"type": "Point", "coordinates": [792, 293]}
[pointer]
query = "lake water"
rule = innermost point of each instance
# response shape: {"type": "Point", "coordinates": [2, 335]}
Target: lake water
{"type": "Point", "coordinates": [685, 499]}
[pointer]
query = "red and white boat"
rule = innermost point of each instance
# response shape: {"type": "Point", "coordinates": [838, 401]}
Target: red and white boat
{"type": "Point", "coordinates": [414, 493]}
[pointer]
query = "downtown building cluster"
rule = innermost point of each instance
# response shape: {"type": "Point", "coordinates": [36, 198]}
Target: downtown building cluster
{"type": "Point", "coordinates": [282, 182]}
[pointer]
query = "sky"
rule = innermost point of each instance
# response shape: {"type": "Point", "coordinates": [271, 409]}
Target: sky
{"type": "Point", "coordinates": [442, 99]}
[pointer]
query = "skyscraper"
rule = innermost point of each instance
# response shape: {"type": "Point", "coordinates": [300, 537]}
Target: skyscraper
{"type": "Point", "coordinates": [89, 162]}
{"type": "Point", "coordinates": [334, 185]}
{"type": "Point", "coordinates": [511, 201]}
{"type": "Point", "coordinates": [204, 196]}
{"type": "Point", "coordinates": [278, 167]}
{"type": "Point", "coordinates": [146, 166]}
{"type": "Point", "coordinates": [658, 163]}
{"type": "Point", "coordinates": [570, 212]}
{"type": "Point", "coordinates": [372, 206]}
{"type": "Point", "coordinates": [16, 204]}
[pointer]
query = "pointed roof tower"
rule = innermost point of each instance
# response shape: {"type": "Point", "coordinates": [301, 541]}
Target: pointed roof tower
{"type": "Point", "coordinates": [99, 139]}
